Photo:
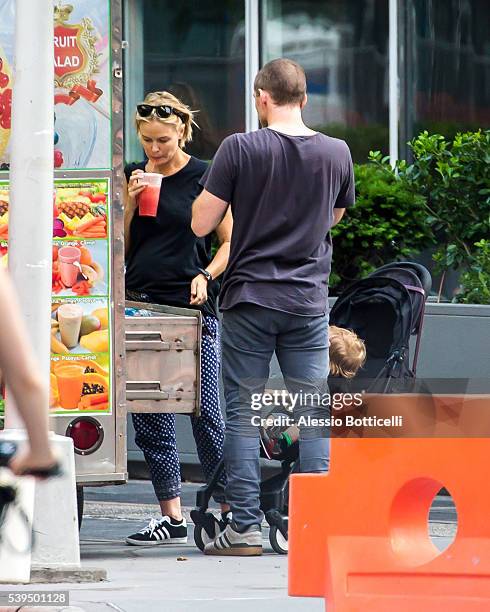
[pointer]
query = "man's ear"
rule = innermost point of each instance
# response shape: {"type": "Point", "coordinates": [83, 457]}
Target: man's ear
{"type": "Point", "coordinates": [303, 102]}
{"type": "Point", "coordinates": [264, 97]}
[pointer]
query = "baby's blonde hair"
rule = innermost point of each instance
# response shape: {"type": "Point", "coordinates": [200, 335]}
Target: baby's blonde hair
{"type": "Point", "coordinates": [347, 352]}
{"type": "Point", "coordinates": [163, 98]}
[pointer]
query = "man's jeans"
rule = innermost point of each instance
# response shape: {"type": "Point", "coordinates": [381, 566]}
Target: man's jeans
{"type": "Point", "coordinates": [250, 336]}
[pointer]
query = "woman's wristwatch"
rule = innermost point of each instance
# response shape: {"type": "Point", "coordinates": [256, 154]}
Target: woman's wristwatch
{"type": "Point", "coordinates": [206, 274]}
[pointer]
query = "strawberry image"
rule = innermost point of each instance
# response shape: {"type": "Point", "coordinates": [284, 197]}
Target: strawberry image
{"type": "Point", "coordinates": [5, 101]}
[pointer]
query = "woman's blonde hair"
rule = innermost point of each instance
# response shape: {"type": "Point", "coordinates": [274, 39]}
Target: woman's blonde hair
{"type": "Point", "coordinates": [347, 352]}
{"type": "Point", "coordinates": [164, 98]}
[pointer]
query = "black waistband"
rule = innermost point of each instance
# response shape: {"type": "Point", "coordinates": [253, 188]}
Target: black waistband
{"type": "Point", "coordinates": [138, 296]}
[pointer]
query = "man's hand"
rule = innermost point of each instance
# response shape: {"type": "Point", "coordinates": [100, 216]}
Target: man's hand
{"type": "Point", "coordinates": [199, 290]}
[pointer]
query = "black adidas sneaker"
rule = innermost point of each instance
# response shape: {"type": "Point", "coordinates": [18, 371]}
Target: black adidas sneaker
{"type": "Point", "coordinates": [162, 531]}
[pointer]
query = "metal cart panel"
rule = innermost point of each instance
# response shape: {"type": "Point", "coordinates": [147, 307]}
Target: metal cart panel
{"type": "Point", "coordinates": [163, 359]}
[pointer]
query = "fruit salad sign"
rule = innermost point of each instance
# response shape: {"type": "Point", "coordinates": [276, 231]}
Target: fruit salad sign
{"type": "Point", "coordinates": [80, 311]}
{"type": "Point", "coordinates": [82, 83]}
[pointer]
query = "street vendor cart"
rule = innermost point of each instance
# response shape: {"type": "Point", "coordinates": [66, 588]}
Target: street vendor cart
{"type": "Point", "coordinates": [103, 364]}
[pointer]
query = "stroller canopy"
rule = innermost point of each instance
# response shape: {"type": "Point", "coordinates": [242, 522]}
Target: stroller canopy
{"type": "Point", "coordinates": [385, 309]}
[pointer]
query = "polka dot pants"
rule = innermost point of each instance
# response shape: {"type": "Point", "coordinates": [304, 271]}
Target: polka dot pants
{"type": "Point", "coordinates": [155, 433]}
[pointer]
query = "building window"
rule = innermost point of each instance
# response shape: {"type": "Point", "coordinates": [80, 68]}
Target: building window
{"type": "Point", "coordinates": [196, 50]}
{"type": "Point", "coordinates": [343, 47]}
{"type": "Point", "coordinates": [446, 84]}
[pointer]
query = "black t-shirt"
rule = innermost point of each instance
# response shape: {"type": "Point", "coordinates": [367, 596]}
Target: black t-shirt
{"type": "Point", "coordinates": [164, 253]}
{"type": "Point", "coordinates": [282, 191]}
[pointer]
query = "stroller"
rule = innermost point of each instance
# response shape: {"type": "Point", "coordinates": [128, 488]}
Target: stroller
{"type": "Point", "coordinates": [274, 491]}
{"type": "Point", "coordinates": [384, 309]}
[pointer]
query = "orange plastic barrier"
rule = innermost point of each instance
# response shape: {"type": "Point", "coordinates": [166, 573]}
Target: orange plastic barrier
{"type": "Point", "coordinates": [358, 536]}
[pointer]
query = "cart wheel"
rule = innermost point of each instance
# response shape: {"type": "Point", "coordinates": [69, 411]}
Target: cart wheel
{"type": "Point", "coordinates": [201, 536]}
{"type": "Point", "coordinates": [278, 542]}
{"type": "Point", "coordinates": [80, 499]}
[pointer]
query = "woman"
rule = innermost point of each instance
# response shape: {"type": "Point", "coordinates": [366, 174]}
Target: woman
{"type": "Point", "coordinates": [167, 264]}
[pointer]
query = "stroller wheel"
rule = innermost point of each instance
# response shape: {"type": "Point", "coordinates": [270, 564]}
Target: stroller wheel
{"type": "Point", "coordinates": [278, 542]}
{"type": "Point", "coordinates": [206, 528]}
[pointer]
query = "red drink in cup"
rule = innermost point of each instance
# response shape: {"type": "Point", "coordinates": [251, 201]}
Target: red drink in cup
{"type": "Point", "coordinates": [148, 198]}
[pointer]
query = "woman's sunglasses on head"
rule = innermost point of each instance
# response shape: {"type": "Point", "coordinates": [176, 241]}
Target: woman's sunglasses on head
{"type": "Point", "coordinates": [164, 111]}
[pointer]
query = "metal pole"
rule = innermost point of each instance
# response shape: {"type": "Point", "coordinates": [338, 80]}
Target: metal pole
{"type": "Point", "coordinates": [251, 61]}
{"type": "Point", "coordinates": [30, 257]}
{"type": "Point", "coordinates": [31, 177]}
{"type": "Point", "coordinates": [393, 80]}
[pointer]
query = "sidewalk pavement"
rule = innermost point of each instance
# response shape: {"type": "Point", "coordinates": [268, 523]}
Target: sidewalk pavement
{"type": "Point", "coordinates": [180, 578]}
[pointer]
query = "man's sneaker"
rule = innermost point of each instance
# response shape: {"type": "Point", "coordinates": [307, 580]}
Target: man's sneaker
{"type": "Point", "coordinates": [232, 542]}
{"type": "Point", "coordinates": [163, 531]}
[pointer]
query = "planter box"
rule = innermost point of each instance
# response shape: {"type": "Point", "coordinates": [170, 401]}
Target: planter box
{"type": "Point", "coordinates": [455, 342]}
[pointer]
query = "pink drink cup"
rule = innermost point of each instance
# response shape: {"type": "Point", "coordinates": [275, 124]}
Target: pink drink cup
{"type": "Point", "coordinates": [67, 256]}
{"type": "Point", "coordinates": [148, 198]}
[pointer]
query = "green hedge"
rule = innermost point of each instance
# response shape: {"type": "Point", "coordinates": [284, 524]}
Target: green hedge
{"type": "Point", "coordinates": [441, 199]}
{"type": "Point", "coordinates": [387, 223]}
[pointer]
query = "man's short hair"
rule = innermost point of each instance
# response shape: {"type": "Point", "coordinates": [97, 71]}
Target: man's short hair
{"type": "Point", "coordinates": [284, 80]}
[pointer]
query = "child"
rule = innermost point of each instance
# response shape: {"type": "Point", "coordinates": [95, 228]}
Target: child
{"type": "Point", "coordinates": [347, 352]}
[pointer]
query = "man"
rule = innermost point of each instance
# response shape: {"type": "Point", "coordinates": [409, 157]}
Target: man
{"type": "Point", "coordinates": [288, 186]}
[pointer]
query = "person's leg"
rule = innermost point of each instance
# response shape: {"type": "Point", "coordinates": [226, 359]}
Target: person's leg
{"type": "Point", "coordinates": [23, 376]}
{"type": "Point", "coordinates": [209, 427]}
{"type": "Point", "coordinates": [248, 342]}
{"type": "Point", "coordinates": [155, 436]}
{"type": "Point", "coordinates": [302, 352]}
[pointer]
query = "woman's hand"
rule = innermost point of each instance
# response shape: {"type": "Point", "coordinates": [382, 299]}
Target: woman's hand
{"type": "Point", "coordinates": [135, 186]}
{"type": "Point", "coordinates": [199, 290]}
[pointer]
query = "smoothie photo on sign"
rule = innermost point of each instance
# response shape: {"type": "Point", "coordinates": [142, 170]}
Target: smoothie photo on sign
{"type": "Point", "coordinates": [80, 326]}
{"type": "Point", "coordinates": [80, 268]}
{"type": "Point", "coordinates": [80, 385]}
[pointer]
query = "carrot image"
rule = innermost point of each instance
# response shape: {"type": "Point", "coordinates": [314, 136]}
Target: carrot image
{"type": "Point", "coordinates": [91, 223]}
{"type": "Point", "coordinates": [93, 230]}
{"type": "Point", "coordinates": [101, 406]}
{"type": "Point", "coordinates": [93, 235]}
{"type": "Point", "coordinates": [94, 399]}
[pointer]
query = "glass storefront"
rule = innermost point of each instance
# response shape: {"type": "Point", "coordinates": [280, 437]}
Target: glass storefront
{"type": "Point", "coordinates": [343, 46]}
{"type": "Point", "coordinates": [196, 50]}
{"type": "Point", "coordinates": [446, 73]}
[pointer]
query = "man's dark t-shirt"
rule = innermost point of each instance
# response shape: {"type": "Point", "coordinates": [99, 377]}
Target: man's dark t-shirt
{"type": "Point", "coordinates": [282, 190]}
{"type": "Point", "coordinates": [164, 254]}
